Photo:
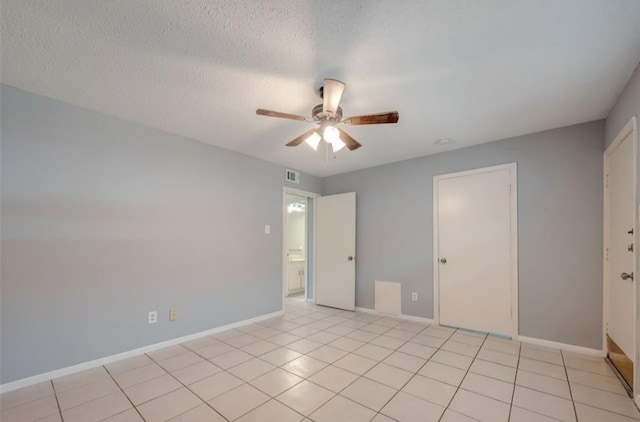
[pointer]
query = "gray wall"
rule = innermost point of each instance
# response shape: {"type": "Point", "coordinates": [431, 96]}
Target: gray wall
{"type": "Point", "coordinates": [627, 106]}
{"type": "Point", "coordinates": [559, 227]}
{"type": "Point", "coordinates": [104, 220]}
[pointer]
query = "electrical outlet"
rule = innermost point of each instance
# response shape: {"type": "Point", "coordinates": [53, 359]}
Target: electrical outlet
{"type": "Point", "coordinates": [414, 296]}
{"type": "Point", "coordinates": [267, 229]}
{"type": "Point", "coordinates": [153, 317]}
{"type": "Point", "coordinates": [173, 314]}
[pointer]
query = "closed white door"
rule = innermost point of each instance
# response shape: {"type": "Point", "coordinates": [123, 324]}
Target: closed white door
{"type": "Point", "coordinates": [474, 216]}
{"type": "Point", "coordinates": [335, 251]}
{"type": "Point", "coordinates": [619, 186]}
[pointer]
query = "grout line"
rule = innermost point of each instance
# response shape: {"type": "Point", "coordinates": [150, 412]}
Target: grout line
{"type": "Point", "coordinates": [515, 379]}
{"type": "Point", "coordinates": [55, 394]}
{"type": "Point", "coordinates": [125, 394]}
{"type": "Point", "coordinates": [566, 374]}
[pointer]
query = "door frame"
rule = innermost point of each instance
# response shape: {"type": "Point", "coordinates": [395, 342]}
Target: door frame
{"type": "Point", "coordinates": [292, 191]}
{"type": "Point", "coordinates": [630, 128]}
{"type": "Point", "coordinates": [513, 172]}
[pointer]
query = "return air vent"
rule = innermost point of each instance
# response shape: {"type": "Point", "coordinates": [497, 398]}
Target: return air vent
{"type": "Point", "coordinates": [293, 176]}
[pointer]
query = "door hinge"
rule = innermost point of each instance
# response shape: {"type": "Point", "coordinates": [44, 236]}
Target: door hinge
{"type": "Point", "coordinates": [606, 183]}
{"type": "Point", "coordinates": [606, 256]}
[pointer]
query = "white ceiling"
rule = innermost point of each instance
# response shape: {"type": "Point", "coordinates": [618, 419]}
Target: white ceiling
{"type": "Point", "coordinates": [471, 70]}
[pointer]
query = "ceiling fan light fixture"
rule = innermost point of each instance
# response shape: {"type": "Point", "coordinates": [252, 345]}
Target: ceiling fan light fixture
{"type": "Point", "coordinates": [313, 140]}
{"type": "Point", "coordinates": [332, 136]}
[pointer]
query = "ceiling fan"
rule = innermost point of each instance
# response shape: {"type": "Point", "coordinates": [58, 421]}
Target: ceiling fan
{"type": "Point", "coordinates": [328, 116]}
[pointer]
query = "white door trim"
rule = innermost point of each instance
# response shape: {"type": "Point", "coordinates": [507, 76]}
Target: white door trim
{"type": "Point", "coordinates": [630, 128]}
{"type": "Point", "coordinates": [287, 190]}
{"type": "Point", "coordinates": [513, 170]}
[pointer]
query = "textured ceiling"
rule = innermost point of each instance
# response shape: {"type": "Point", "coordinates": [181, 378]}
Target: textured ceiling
{"type": "Point", "coordinates": [471, 70]}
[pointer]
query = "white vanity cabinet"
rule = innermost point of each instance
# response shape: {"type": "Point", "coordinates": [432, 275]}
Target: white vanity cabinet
{"type": "Point", "coordinates": [296, 275]}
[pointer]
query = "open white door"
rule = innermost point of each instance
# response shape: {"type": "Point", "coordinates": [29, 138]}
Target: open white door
{"type": "Point", "coordinates": [335, 251]}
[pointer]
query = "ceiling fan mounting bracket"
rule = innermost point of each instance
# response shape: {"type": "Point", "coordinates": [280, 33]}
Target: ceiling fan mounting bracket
{"type": "Point", "coordinates": [319, 115]}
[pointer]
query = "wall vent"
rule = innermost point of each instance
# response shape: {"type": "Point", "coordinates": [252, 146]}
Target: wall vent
{"type": "Point", "coordinates": [293, 176]}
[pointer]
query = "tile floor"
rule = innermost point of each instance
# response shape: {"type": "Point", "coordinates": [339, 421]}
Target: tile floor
{"type": "Point", "coordinates": [321, 364]}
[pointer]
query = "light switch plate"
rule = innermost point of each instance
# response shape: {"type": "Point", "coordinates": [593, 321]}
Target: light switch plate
{"type": "Point", "coordinates": [267, 229]}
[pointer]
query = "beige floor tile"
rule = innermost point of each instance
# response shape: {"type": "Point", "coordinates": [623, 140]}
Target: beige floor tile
{"type": "Point", "coordinates": [604, 400]}
{"type": "Point", "coordinates": [81, 378]}
{"type": "Point", "coordinates": [151, 389]}
{"type": "Point", "coordinates": [54, 418]}
{"type": "Point", "coordinates": [304, 366]}
{"type": "Point", "coordinates": [305, 397]}
{"type": "Point", "coordinates": [346, 344]}
{"type": "Point", "coordinates": [130, 415]}
{"type": "Point", "coordinates": [356, 364]}
{"type": "Point", "coordinates": [435, 331]}
{"type": "Point", "coordinates": [303, 331]}
{"type": "Point", "coordinates": [404, 407]}
{"type": "Point", "coordinates": [404, 361]}
{"type": "Point", "coordinates": [30, 411]}
{"type": "Point", "coordinates": [241, 340]}
{"type": "Point", "coordinates": [193, 373]}
{"type": "Point", "coordinates": [510, 348]}
{"type": "Point", "coordinates": [333, 378]}
{"type": "Point", "coordinates": [452, 359]}
{"type": "Point", "coordinates": [453, 416]}
{"type": "Point", "coordinates": [369, 393]}
{"type": "Point", "coordinates": [167, 352]}
{"type": "Point", "coordinates": [542, 368]}
{"type": "Point", "coordinates": [180, 361]}
{"type": "Point", "coordinates": [498, 357]}
{"type": "Point", "coordinates": [238, 401]}
{"type": "Point", "coordinates": [389, 342]}
{"type": "Point", "coordinates": [431, 390]}
{"type": "Point", "coordinates": [430, 341]}
{"type": "Point", "coordinates": [600, 382]}
{"type": "Point", "coordinates": [592, 414]}
{"type": "Point", "coordinates": [588, 364]}
{"type": "Point", "coordinates": [479, 407]}
{"type": "Point", "coordinates": [418, 350]}
{"type": "Point", "coordinates": [381, 418]}
{"type": "Point", "coordinates": [542, 403]}
{"type": "Point", "coordinates": [98, 409]}
{"type": "Point", "coordinates": [489, 387]}
{"type": "Point", "coordinates": [271, 411]}
{"type": "Point", "coordinates": [280, 356]}
{"type": "Point", "coordinates": [138, 375]}
{"type": "Point", "coordinates": [87, 392]}
{"type": "Point", "coordinates": [275, 382]}
{"type": "Point", "coordinates": [340, 330]}
{"type": "Point", "coordinates": [328, 354]}
{"type": "Point", "coordinates": [231, 359]}
{"type": "Point", "coordinates": [259, 348]}
{"type": "Point", "coordinates": [342, 409]}
{"type": "Point", "coordinates": [283, 339]}
{"type": "Point", "coordinates": [542, 355]}
{"type": "Point", "coordinates": [493, 370]}
{"type": "Point", "coordinates": [251, 369]}
{"type": "Point", "coordinates": [361, 335]}
{"type": "Point", "coordinates": [168, 406]}
{"type": "Point", "coordinates": [213, 350]}
{"type": "Point", "coordinates": [213, 386]}
{"type": "Point", "coordinates": [467, 337]}
{"type": "Point", "coordinates": [461, 348]}
{"type": "Point", "coordinates": [323, 337]}
{"type": "Point", "coordinates": [26, 394]}
{"type": "Point", "coordinates": [227, 334]}
{"type": "Point", "coordinates": [128, 364]}
{"type": "Point", "coordinates": [202, 413]}
{"type": "Point", "coordinates": [519, 414]}
{"type": "Point", "coordinates": [265, 333]}
{"type": "Point", "coordinates": [544, 384]}
{"type": "Point", "coordinates": [447, 374]}
{"type": "Point", "coordinates": [389, 375]}
{"type": "Point", "coordinates": [304, 345]}
{"type": "Point", "coordinates": [413, 327]}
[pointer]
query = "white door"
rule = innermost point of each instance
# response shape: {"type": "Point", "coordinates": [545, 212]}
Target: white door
{"type": "Point", "coordinates": [336, 250]}
{"type": "Point", "coordinates": [619, 185]}
{"type": "Point", "coordinates": [474, 217]}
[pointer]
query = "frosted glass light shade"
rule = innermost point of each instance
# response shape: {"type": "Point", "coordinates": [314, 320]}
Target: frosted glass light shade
{"type": "Point", "coordinates": [313, 140]}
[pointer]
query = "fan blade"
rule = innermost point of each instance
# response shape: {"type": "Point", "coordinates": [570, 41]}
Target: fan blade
{"type": "Point", "coordinates": [351, 143]}
{"type": "Point", "coordinates": [331, 95]}
{"type": "Point", "coordinates": [373, 119]}
{"type": "Point", "coordinates": [270, 113]}
{"type": "Point", "coordinates": [300, 139]}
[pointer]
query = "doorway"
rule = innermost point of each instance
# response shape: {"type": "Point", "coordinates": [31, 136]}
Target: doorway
{"type": "Point", "coordinates": [620, 291]}
{"type": "Point", "coordinates": [475, 250]}
{"type": "Point", "coordinates": [298, 244]}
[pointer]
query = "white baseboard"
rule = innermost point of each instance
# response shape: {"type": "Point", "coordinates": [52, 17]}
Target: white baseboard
{"type": "Point", "coordinates": [401, 316]}
{"type": "Point", "coordinates": [25, 382]}
{"type": "Point", "coordinates": [563, 346]}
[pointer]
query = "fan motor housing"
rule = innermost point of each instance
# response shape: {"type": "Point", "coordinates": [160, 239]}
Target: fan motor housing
{"type": "Point", "coordinates": [319, 115]}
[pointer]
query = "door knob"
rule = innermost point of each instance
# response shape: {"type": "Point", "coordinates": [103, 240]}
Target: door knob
{"type": "Point", "coordinates": [626, 276]}
{"type": "Point", "coordinates": [443, 260]}
{"type": "Point", "coordinates": [350, 258]}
